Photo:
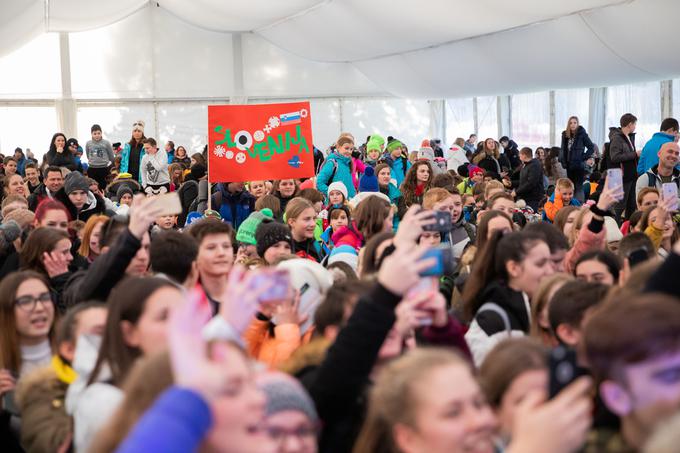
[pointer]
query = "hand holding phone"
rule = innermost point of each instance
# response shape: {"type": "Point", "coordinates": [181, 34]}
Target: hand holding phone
{"type": "Point", "coordinates": [564, 369]}
{"type": "Point", "coordinates": [167, 204]}
{"type": "Point", "coordinates": [669, 191]}
{"type": "Point", "coordinates": [614, 180]}
{"type": "Point", "coordinates": [442, 222]}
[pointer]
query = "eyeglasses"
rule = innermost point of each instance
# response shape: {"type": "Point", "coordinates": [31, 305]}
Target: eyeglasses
{"type": "Point", "coordinates": [28, 303]}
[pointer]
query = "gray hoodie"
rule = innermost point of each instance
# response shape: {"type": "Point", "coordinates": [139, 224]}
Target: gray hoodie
{"type": "Point", "coordinates": [99, 154]}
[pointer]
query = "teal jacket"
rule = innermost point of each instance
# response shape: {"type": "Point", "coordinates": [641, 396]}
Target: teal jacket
{"type": "Point", "coordinates": [392, 192]}
{"type": "Point", "coordinates": [125, 161]}
{"type": "Point", "coordinates": [343, 173]}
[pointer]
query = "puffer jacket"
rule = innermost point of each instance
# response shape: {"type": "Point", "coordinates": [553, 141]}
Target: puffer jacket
{"type": "Point", "coordinates": [343, 172]}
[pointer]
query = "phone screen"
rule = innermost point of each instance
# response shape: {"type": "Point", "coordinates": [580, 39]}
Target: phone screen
{"type": "Point", "coordinates": [615, 178]}
{"type": "Point", "coordinates": [670, 192]}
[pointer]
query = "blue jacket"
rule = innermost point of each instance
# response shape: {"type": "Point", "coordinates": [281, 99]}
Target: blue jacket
{"type": "Point", "coordinates": [649, 155]}
{"type": "Point", "coordinates": [326, 241]}
{"type": "Point", "coordinates": [176, 423]}
{"type": "Point", "coordinates": [233, 207]}
{"type": "Point", "coordinates": [397, 167]}
{"type": "Point", "coordinates": [342, 174]}
{"type": "Point", "coordinates": [393, 193]}
{"type": "Point", "coordinates": [21, 166]}
{"type": "Point", "coordinates": [125, 161]}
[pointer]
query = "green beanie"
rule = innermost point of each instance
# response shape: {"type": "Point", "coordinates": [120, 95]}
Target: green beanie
{"type": "Point", "coordinates": [378, 139]}
{"type": "Point", "coordinates": [394, 144]}
{"type": "Point", "coordinates": [246, 232]}
{"type": "Point", "coordinates": [372, 146]}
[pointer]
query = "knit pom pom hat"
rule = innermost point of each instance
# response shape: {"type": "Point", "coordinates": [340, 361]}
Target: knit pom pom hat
{"type": "Point", "coordinates": [269, 234]}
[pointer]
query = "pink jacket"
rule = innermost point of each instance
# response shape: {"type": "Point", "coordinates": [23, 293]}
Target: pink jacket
{"type": "Point", "coordinates": [359, 168]}
{"type": "Point", "coordinates": [586, 241]}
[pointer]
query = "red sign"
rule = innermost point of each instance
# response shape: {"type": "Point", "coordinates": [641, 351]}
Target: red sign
{"type": "Point", "coordinates": [261, 141]}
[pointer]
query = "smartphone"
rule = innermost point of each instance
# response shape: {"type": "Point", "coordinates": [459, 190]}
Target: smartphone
{"type": "Point", "coordinates": [169, 203]}
{"type": "Point", "coordinates": [280, 285]}
{"type": "Point", "coordinates": [669, 191]}
{"type": "Point", "coordinates": [614, 179]}
{"type": "Point", "coordinates": [310, 299]}
{"type": "Point", "coordinates": [442, 222]}
{"type": "Point", "coordinates": [424, 285]}
{"type": "Point", "coordinates": [563, 368]}
{"type": "Point", "coordinates": [445, 262]}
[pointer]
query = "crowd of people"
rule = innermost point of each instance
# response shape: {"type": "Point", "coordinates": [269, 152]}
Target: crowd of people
{"type": "Point", "coordinates": [483, 298]}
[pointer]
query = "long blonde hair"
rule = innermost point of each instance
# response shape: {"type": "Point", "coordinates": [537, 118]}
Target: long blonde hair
{"type": "Point", "coordinates": [567, 131]}
{"type": "Point", "coordinates": [578, 224]}
{"type": "Point", "coordinates": [92, 222]}
{"type": "Point", "coordinates": [541, 300]}
{"type": "Point", "coordinates": [393, 398]}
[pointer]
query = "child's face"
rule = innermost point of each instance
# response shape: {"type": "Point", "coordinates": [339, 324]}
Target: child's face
{"type": "Point", "coordinates": [374, 154]}
{"type": "Point", "coordinates": [150, 149]}
{"type": "Point", "coordinates": [430, 238]}
{"type": "Point", "coordinates": [287, 187]}
{"type": "Point", "coordinates": [567, 194]}
{"type": "Point", "coordinates": [126, 199]}
{"type": "Point", "coordinates": [96, 135]}
{"type": "Point", "coordinates": [384, 176]}
{"type": "Point", "coordinates": [32, 174]}
{"type": "Point", "coordinates": [477, 177]}
{"type": "Point", "coordinates": [318, 206]}
{"type": "Point", "coordinates": [339, 221]}
{"type": "Point", "coordinates": [303, 226]}
{"type": "Point", "coordinates": [257, 189]}
{"type": "Point", "coordinates": [276, 251]}
{"type": "Point", "coordinates": [346, 149]}
{"type": "Point", "coordinates": [166, 222]}
{"type": "Point", "coordinates": [336, 197]}
{"type": "Point", "coordinates": [396, 152]}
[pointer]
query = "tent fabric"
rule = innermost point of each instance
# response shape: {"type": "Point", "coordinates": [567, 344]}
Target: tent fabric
{"type": "Point", "coordinates": [433, 49]}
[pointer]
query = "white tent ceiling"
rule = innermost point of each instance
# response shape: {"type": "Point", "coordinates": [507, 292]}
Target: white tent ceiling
{"type": "Point", "coordinates": [425, 49]}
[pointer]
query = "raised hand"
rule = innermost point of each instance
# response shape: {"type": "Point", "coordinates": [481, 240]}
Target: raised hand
{"type": "Point", "coordinates": [609, 196]}
{"type": "Point", "coordinates": [400, 271]}
{"type": "Point", "coordinates": [411, 226]}
{"type": "Point", "coordinates": [287, 311]}
{"type": "Point", "coordinates": [242, 301]}
{"type": "Point", "coordinates": [192, 368]}
{"type": "Point", "coordinates": [55, 264]}
{"type": "Point", "coordinates": [143, 213]}
{"type": "Point", "coordinates": [558, 426]}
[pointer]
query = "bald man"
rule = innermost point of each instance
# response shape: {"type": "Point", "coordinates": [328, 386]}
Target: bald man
{"type": "Point", "coordinates": [664, 171]}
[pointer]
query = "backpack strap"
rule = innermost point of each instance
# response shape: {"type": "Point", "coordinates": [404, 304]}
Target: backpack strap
{"type": "Point", "coordinates": [651, 180]}
{"type": "Point", "coordinates": [494, 307]}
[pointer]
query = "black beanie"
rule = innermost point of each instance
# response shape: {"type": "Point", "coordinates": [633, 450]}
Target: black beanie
{"type": "Point", "coordinates": [198, 171]}
{"type": "Point", "coordinates": [269, 234]}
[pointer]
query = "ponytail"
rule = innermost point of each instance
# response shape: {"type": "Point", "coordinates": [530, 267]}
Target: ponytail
{"type": "Point", "coordinates": [490, 265]}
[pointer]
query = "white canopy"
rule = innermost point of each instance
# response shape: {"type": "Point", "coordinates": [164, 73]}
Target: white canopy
{"type": "Point", "coordinates": [427, 49]}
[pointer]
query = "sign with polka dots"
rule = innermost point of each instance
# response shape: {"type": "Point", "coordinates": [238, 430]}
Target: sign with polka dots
{"type": "Point", "coordinates": [260, 141]}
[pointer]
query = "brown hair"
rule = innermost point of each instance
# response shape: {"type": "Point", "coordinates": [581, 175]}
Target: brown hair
{"type": "Point", "coordinates": [344, 139]}
{"type": "Point", "coordinates": [631, 330]}
{"type": "Point", "coordinates": [313, 195]}
{"type": "Point", "coordinates": [563, 215]}
{"type": "Point", "coordinates": [14, 199]}
{"type": "Point", "coordinates": [567, 130]}
{"type": "Point", "coordinates": [205, 227]}
{"type": "Point", "coordinates": [506, 362]}
{"type": "Point", "coordinates": [526, 152]}
{"type": "Point", "coordinates": [436, 195]}
{"type": "Point", "coordinates": [445, 181]}
{"type": "Point", "coordinates": [40, 240]}
{"type": "Point", "coordinates": [394, 397]}
{"type": "Point", "coordinates": [369, 260]}
{"type": "Point", "coordinates": [151, 141]}
{"type": "Point", "coordinates": [10, 351]}
{"type": "Point", "coordinates": [540, 301]}
{"type": "Point", "coordinates": [644, 191]}
{"type": "Point", "coordinates": [176, 166]}
{"type": "Point", "coordinates": [271, 202]}
{"type": "Point", "coordinates": [296, 207]}
{"type": "Point", "coordinates": [483, 226]}
{"type": "Point", "coordinates": [370, 216]}
{"type": "Point", "coordinates": [497, 196]}
{"type": "Point", "coordinates": [126, 302]}
{"type": "Point", "coordinates": [564, 183]}
{"type": "Point", "coordinates": [408, 187]}
{"type": "Point", "coordinates": [277, 183]}
{"type": "Point", "coordinates": [92, 222]}
{"type": "Point", "coordinates": [493, 184]}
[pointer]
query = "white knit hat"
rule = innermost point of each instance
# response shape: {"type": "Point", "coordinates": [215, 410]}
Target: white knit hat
{"type": "Point", "coordinates": [340, 187]}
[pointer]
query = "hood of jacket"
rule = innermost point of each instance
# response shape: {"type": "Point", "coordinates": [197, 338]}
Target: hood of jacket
{"type": "Point", "coordinates": [614, 131]}
{"type": "Point", "coordinates": [340, 158]}
{"type": "Point", "coordinates": [237, 197]}
{"type": "Point", "coordinates": [579, 132]}
{"type": "Point", "coordinates": [510, 300]}
{"type": "Point", "coordinates": [308, 355]}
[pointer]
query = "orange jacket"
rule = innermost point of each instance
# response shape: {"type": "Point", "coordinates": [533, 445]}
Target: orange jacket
{"type": "Point", "coordinates": [274, 350]}
{"type": "Point", "coordinates": [551, 207]}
